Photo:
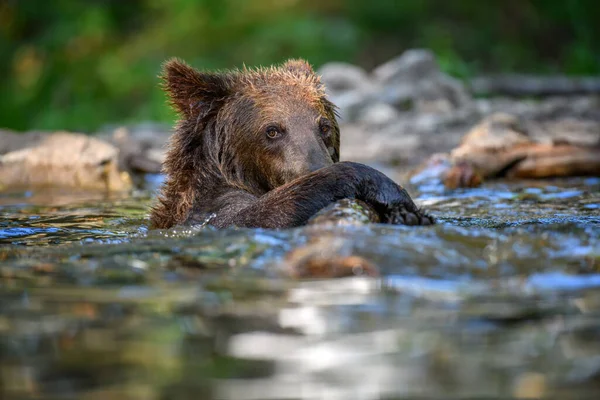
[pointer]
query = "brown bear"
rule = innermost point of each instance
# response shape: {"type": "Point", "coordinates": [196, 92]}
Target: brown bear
{"type": "Point", "coordinates": [260, 148]}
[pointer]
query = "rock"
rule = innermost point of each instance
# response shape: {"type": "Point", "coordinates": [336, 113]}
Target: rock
{"type": "Point", "coordinates": [432, 171]}
{"type": "Point", "coordinates": [392, 144]}
{"type": "Point", "coordinates": [11, 141]}
{"type": "Point", "coordinates": [404, 141]}
{"type": "Point", "coordinates": [546, 161]}
{"type": "Point", "coordinates": [60, 159]}
{"type": "Point", "coordinates": [408, 109]}
{"type": "Point", "coordinates": [400, 112]}
{"type": "Point", "coordinates": [141, 147]}
{"type": "Point", "coordinates": [552, 108]}
{"type": "Point", "coordinates": [345, 212]}
{"type": "Point", "coordinates": [462, 174]}
{"type": "Point", "coordinates": [378, 114]}
{"type": "Point", "coordinates": [529, 85]}
{"type": "Point", "coordinates": [341, 77]}
{"type": "Point", "coordinates": [412, 65]}
{"type": "Point", "coordinates": [574, 131]}
{"type": "Point", "coordinates": [311, 263]}
{"type": "Point", "coordinates": [326, 256]}
{"type": "Point", "coordinates": [349, 105]}
{"type": "Point", "coordinates": [504, 145]}
{"type": "Point", "coordinates": [348, 87]}
{"type": "Point", "coordinates": [137, 154]}
{"type": "Point", "coordinates": [439, 169]}
{"type": "Point", "coordinates": [442, 95]}
{"type": "Point", "coordinates": [414, 79]}
{"type": "Point", "coordinates": [531, 385]}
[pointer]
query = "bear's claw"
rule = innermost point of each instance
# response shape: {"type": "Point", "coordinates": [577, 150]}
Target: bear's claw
{"type": "Point", "coordinates": [401, 216]}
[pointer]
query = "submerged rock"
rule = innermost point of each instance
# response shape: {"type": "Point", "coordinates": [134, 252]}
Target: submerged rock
{"type": "Point", "coordinates": [317, 261]}
{"type": "Point", "coordinates": [327, 256]}
{"type": "Point", "coordinates": [60, 159]}
{"type": "Point", "coordinates": [345, 212]}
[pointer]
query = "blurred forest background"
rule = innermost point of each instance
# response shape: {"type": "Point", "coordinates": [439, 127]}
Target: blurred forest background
{"type": "Point", "coordinates": [78, 65]}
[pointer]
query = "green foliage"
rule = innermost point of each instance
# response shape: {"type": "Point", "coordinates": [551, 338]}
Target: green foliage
{"type": "Point", "coordinates": [78, 65]}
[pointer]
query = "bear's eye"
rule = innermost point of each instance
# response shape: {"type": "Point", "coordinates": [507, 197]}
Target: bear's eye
{"type": "Point", "coordinates": [325, 128]}
{"type": "Point", "coordinates": [273, 132]}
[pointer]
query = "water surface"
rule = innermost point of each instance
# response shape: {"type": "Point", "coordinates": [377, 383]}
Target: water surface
{"type": "Point", "coordinates": [500, 299]}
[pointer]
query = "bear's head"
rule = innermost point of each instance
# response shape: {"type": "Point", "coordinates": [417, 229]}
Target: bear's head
{"type": "Point", "coordinates": [255, 129]}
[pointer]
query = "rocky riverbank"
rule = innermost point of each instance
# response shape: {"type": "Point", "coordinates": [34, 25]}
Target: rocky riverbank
{"type": "Point", "coordinates": [407, 109]}
{"type": "Point", "coordinates": [399, 114]}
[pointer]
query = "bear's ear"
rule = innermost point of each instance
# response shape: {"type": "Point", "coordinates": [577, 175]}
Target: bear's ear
{"type": "Point", "coordinates": [191, 91]}
{"type": "Point", "coordinates": [299, 67]}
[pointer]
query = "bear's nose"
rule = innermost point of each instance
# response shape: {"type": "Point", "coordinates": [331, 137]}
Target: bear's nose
{"type": "Point", "coordinates": [318, 158]}
{"type": "Point", "coordinates": [306, 153]}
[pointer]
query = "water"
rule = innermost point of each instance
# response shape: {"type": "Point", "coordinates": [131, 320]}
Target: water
{"type": "Point", "coordinates": [500, 299]}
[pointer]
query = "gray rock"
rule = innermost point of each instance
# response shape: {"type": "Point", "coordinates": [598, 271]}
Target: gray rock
{"type": "Point", "coordinates": [529, 85]}
{"type": "Point", "coordinates": [349, 104]}
{"type": "Point", "coordinates": [395, 144]}
{"type": "Point", "coordinates": [581, 107]}
{"type": "Point", "coordinates": [342, 77]}
{"type": "Point", "coordinates": [412, 65]}
{"type": "Point", "coordinates": [378, 114]}
{"type": "Point", "coordinates": [348, 87]}
{"type": "Point", "coordinates": [414, 81]}
{"type": "Point", "coordinates": [141, 147]}
{"type": "Point", "coordinates": [409, 84]}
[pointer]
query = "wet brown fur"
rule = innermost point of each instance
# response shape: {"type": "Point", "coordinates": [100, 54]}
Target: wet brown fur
{"type": "Point", "coordinates": [218, 163]}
